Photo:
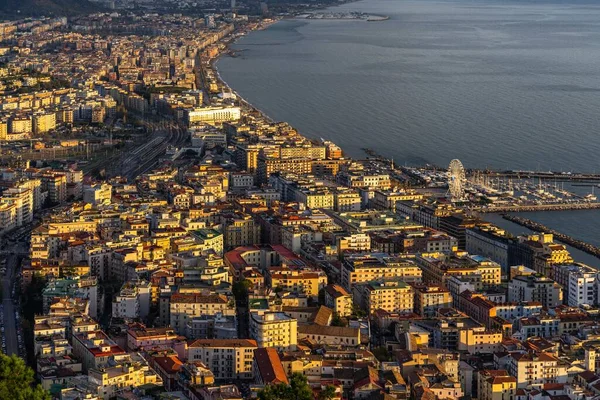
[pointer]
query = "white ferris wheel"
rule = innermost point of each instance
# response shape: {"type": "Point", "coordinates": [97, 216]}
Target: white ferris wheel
{"type": "Point", "coordinates": [456, 180]}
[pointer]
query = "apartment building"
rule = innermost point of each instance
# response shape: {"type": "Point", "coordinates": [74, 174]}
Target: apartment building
{"type": "Point", "coordinates": [226, 358]}
{"type": "Point", "coordinates": [391, 296]}
{"type": "Point", "coordinates": [430, 298]}
{"type": "Point", "coordinates": [274, 329]}
{"type": "Point", "coordinates": [370, 267]}
{"type": "Point", "coordinates": [186, 306]}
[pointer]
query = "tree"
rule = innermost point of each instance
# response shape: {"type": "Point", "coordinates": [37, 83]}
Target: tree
{"type": "Point", "coordinates": [298, 389]}
{"type": "Point", "coordinates": [358, 312]}
{"type": "Point", "coordinates": [328, 393]}
{"type": "Point", "coordinates": [337, 320]}
{"type": "Point", "coordinates": [240, 289]}
{"type": "Point", "coordinates": [16, 380]}
{"type": "Point", "coordinates": [382, 354]}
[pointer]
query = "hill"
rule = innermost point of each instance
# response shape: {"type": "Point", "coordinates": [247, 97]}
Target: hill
{"type": "Point", "coordinates": [25, 8]}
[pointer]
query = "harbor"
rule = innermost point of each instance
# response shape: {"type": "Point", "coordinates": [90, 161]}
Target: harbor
{"type": "Point", "coordinates": [566, 239]}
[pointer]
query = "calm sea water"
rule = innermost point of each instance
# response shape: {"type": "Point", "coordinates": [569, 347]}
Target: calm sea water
{"type": "Point", "coordinates": [496, 84]}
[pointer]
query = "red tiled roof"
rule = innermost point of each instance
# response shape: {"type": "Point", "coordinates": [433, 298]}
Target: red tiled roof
{"type": "Point", "coordinates": [169, 364]}
{"type": "Point", "coordinates": [269, 366]}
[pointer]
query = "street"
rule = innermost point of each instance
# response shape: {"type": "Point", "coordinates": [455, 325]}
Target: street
{"type": "Point", "coordinates": [10, 327]}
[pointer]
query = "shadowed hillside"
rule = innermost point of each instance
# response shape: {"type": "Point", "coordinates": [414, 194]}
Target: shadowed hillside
{"type": "Point", "coordinates": [15, 8]}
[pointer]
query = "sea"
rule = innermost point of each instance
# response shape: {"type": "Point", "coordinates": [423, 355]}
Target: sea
{"type": "Point", "coordinates": [498, 84]}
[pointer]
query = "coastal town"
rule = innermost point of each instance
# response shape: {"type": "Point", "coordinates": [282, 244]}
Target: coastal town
{"type": "Point", "coordinates": [161, 238]}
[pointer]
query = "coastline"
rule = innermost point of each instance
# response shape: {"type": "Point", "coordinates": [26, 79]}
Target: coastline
{"type": "Point", "coordinates": [213, 65]}
{"type": "Point", "coordinates": [228, 43]}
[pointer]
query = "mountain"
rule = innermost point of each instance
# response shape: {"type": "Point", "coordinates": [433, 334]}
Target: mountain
{"type": "Point", "coordinates": [24, 8]}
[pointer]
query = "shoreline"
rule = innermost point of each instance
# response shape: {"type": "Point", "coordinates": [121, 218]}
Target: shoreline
{"type": "Point", "coordinates": [213, 65]}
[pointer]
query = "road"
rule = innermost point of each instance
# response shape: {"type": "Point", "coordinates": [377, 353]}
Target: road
{"type": "Point", "coordinates": [10, 325]}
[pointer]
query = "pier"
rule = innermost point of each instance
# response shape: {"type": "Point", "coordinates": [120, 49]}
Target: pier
{"type": "Point", "coordinates": [537, 207]}
{"type": "Point", "coordinates": [571, 241]}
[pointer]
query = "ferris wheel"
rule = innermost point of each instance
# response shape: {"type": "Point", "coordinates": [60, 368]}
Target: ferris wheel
{"type": "Point", "coordinates": [456, 180]}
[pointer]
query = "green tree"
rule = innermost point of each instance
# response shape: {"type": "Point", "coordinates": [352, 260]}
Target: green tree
{"type": "Point", "coordinates": [298, 389]}
{"type": "Point", "coordinates": [358, 312]}
{"type": "Point", "coordinates": [17, 382]}
{"type": "Point", "coordinates": [322, 296]}
{"type": "Point", "coordinates": [337, 320]}
{"type": "Point", "coordinates": [240, 289]}
{"type": "Point", "coordinates": [382, 354]}
{"type": "Point", "coordinates": [328, 393]}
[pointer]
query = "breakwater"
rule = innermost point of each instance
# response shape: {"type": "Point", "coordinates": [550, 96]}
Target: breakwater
{"type": "Point", "coordinates": [571, 241]}
{"type": "Point", "coordinates": [538, 207]}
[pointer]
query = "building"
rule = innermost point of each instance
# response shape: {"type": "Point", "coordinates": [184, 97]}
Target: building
{"type": "Point", "coordinates": [226, 358]}
{"type": "Point", "coordinates": [330, 335]}
{"type": "Point", "coordinates": [308, 282]}
{"type": "Point", "coordinates": [439, 267]}
{"type": "Point", "coordinates": [353, 243]}
{"type": "Point", "coordinates": [43, 122]}
{"type": "Point", "coordinates": [378, 267]}
{"type": "Point", "coordinates": [133, 301]}
{"type": "Point", "coordinates": [95, 349]}
{"type": "Point", "coordinates": [274, 329]}
{"type": "Point", "coordinates": [111, 380]}
{"type": "Point", "coordinates": [338, 299]}
{"type": "Point", "coordinates": [212, 115]}
{"type": "Point", "coordinates": [140, 337]}
{"type": "Point", "coordinates": [391, 296]}
{"type": "Point", "coordinates": [533, 370]}
{"type": "Point", "coordinates": [186, 306]}
{"type": "Point", "coordinates": [496, 385]}
{"type": "Point", "coordinates": [535, 288]}
{"type": "Point", "coordinates": [240, 230]}
{"type": "Point", "coordinates": [20, 124]}
{"type": "Point", "coordinates": [97, 194]}
{"type": "Point", "coordinates": [479, 340]}
{"type": "Point", "coordinates": [429, 298]}
{"type": "Point", "coordinates": [579, 282]}
{"type": "Point", "coordinates": [267, 367]}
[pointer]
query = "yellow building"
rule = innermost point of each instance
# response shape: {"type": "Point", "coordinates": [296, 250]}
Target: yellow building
{"type": "Point", "coordinates": [20, 125]}
{"type": "Point", "coordinates": [308, 365]}
{"type": "Point", "coordinates": [438, 267]}
{"type": "Point", "coordinates": [367, 268]}
{"type": "Point", "coordinates": [338, 299]}
{"type": "Point", "coordinates": [268, 166]}
{"type": "Point", "coordinates": [316, 197]}
{"type": "Point", "coordinates": [429, 298]}
{"type": "Point", "coordinates": [44, 122]}
{"type": "Point", "coordinates": [479, 340]}
{"type": "Point", "coordinates": [3, 130]}
{"type": "Point", "coordinates": [355, 242]}
{"type": "Point", "coordinates": [125, 376]}
{"type": "Point", "coordinates": [274, 329]}
{"type": "Point", "coordinates": [496, 385]}
{"type": "Point", "coordinates": [391, 296]}
{"type": "Point", "coordinates": [307, 282]}
{"type": "Point", "coordinates": [240, 230]}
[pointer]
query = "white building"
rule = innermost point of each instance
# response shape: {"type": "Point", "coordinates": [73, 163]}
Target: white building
{"type": "Point", "coordinates": [535, 288]}
{"type": "Point", "coordinates": [133, 301]}
{"type": "Point", "coordinates": [579, 282]}
{"type": "Point", "coordinates": [213, 115]}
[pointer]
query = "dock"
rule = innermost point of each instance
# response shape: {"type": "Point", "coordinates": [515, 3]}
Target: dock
{"type": "Point", "coordinates": [537, 207]}
{"type": "Point", "coordinates": [566, 239]}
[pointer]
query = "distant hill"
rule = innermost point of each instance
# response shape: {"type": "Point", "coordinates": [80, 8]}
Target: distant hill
{"type": "Point", "coordinates": [24, 8]}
